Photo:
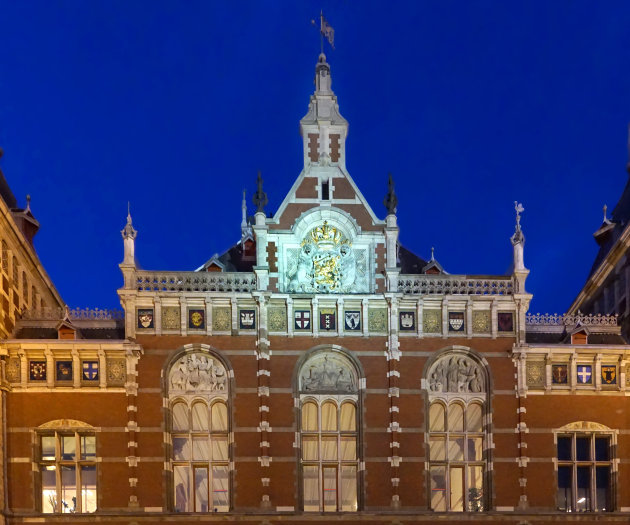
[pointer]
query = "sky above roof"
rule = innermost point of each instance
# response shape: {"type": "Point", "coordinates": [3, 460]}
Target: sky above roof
{"type": "Point", "coordinates": [174, 106]}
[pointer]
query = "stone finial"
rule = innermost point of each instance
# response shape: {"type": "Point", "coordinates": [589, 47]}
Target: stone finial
{"type": "Point", "coordinates": [28, 203]}
{"type": "Point", "coordinates": [518, 239]}
{"type": "Point", "coordinates": [128, 232]}
{"type": "Point", "coordinates": [390, 201]}
{"type": "Point", "coordinates": [432, 254]}
{"type": "Point", "coordinates": [260, 197]}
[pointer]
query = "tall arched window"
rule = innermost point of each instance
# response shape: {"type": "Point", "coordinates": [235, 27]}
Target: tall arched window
{"type": "Point", "coordinates": [5, 257]}
{"type": "Point", "coordinates": [199, 430]}
{"type": "Point", "coordinates": [329, 452]}
{"type": "Point", "coordinates": [25, 287]}
{"type": "Point", "coordinates": [457, 437]}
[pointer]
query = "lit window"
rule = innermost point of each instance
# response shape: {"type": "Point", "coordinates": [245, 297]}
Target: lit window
{"type": "Point", "coordinates": [200, 452]}
{"type": "Point", "coordinates": [584, 471]}
{"type": "Point", "coordinates": [67, 465]}
{"type": "Point", "coordinates": [329, 457]}
{"type": "Point", "coordinates": [457, 460]}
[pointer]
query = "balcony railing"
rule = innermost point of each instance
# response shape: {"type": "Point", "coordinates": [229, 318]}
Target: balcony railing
{"type": "Point", "coordinates": [454, 284]}
{"type": "Point", "coordinates": [195, 281]}
{"type": "Point", "coordinates": [74, 314]}
{"type": "Point", "coordinates": [570, 320]}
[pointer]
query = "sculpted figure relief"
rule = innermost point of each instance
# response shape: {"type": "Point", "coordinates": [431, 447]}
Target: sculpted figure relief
{"type": "Point", "coordinates": [327, 373]}
{"type": "Point", "coordinates": [457, 374]}
{"type": "Point", "coordinates": [198, 373]}
{"type": "Point", "coordinates": [326, 263]}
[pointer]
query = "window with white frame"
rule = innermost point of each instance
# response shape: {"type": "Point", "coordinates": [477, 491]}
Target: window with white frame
{"type": "Point", "coordinates": [67, 465]}
{"type": "Point", "coordinates": [199, 424]}
{"type": "Point", "coordinates": [329, 448]}
{"type": "Point", "coordinates": [585, 469]}
{"type": "Point", "coordinates": [456, 434]}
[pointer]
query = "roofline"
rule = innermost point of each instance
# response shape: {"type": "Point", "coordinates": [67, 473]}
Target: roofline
{"type": "Point", "coordinates": [31, 253]}
{"type": "Point", "coordinates": [598, 277]}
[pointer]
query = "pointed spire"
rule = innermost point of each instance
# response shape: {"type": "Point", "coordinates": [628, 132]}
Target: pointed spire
{"type": "Point", "coordinates": [243, 211]}
{"type": "Point", "coordinates": [390, 201]}
{"type": "Point", "coordinates": [28, 204]}
{"type": "Point", "coordinates": [432, 254]}
{"type": "Point", "coordinates": [260, 197]}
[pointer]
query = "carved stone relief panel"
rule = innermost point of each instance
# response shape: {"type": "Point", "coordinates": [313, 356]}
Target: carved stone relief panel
{"type": "Point", "coordinates": [432, 321]}
{"type": "Point", "coordinates": [456, 373]}
{"type": "Point", "coordinates": [171, 318]}
{"type": "Point", "coordinates": [13, 370]}
{"type": "Point", "coordinates": [326, 262]}
{"type": "Point", "coordinates": [328, 372]}
{"type": "Point", "coordinates": [116, 372]}
{"type": "Point", "coordinates": [221, 318]}
{"type": "Point", "coordinates": [277, 318]}
{"type": "Point", "coordinates": [197, 373]}
{"type": "Point", "coordinates": [535, 374]}
{"type": "Point", "coordinates": [377, 320]}
{"type": "Point", "coordinates": [481, 322]}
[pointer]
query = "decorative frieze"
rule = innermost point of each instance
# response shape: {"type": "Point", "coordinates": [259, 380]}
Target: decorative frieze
{"type": "Point", "coordinates": [171, 318]}
{"type": "Point", "coordinates": [116, 372]}
{"type": "Point", "coordinates": [481, 322]}
{"type": "Point", "coordinates": [221, 319]}
{"type": "Point", "coordinates": [431, 321]}
{"type": "Point", "coordinates": [377, 319]}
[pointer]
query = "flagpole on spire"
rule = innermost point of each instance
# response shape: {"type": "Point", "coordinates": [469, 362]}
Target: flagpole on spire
{"type": "Point", "coordinates": [321, 30]}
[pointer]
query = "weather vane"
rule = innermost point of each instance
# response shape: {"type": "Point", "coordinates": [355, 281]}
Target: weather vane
{"type": "Point", "coordinates": [325, 30]}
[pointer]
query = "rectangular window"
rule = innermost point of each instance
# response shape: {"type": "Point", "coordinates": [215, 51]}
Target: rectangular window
{"type": "Point", "coordinates": [325, 190]}
{"type": "Point", "coordinates": [68, 479]}
{"type": "Point", "coordinates": [584, 472]}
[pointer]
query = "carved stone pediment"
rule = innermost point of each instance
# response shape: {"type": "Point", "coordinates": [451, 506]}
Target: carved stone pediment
{"type": "Point", "coordinates": [328, 372]}
{"type": "Point", "coordinates": [197, 373]}
{"type": "Point", "coordinates": [456, 373]}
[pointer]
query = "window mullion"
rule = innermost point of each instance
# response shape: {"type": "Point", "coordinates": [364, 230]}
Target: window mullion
{"type": "Point", "coordinates": [57, 472]}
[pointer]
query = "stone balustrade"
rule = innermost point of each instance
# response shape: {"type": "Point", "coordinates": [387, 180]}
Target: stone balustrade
{"type": "Point", "coordinates": [454, 284]}
{"type": "Point", "coordinates": [195, 281]}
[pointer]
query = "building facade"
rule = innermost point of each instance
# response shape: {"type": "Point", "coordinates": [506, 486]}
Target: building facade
{"type": "Point", "coordinates": [316, 371]}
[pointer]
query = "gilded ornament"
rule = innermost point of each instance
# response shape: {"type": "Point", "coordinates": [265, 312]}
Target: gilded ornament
{"type": "Point", "coordinates": [171, 318]}
{"type": "Point", "coordinates": [116, 372]}
{"type": "Point", "coordinates": [221, 319]}
{"type": "Point", "coordinates": [432, 321]}
{"type": "Point", "coordinates": [377, 320]}
{"type": "Point", "coordinates": [535, 374]}
{"type": "Point", "coordinates": [277, 317]}
{"type": "Point", "coordinates": [481, 322]}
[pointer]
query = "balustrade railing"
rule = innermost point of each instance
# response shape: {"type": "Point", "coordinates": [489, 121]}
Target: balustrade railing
{"type": "Point", "coordinates": [454, 284]}
{"type": "Point", "coordinates": [195, 281]}
{"type": "Point", "coordinates": [75, 314]}
{"type": "Point", "coordinates": [571, 319]}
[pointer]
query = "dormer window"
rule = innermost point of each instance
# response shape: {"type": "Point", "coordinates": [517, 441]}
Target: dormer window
{"type": "Point", "coordinates": [325, 190]}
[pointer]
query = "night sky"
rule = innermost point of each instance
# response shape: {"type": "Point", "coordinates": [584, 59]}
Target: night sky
{"type": "Point", "coordinates": [174, 106]}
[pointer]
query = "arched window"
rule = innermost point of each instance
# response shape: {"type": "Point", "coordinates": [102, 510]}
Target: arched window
{"type": "Point", "coordinates": [329, 453]}
{"type": "Point", "coordinates": [456, 434]}
{"type": "Point", "coordinates": [16, 281]}
{"type": "Point", "coordinates": [199, 425]}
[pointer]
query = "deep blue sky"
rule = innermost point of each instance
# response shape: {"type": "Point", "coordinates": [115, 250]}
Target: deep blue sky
{"type": "Point", "coordinates": [174, 106]}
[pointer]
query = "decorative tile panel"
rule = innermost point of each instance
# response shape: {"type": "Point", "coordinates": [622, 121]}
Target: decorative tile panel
{"type": "Point", "coordinates": [456, 322]}
{"type": "Point", "coordinates": [352, 320]}
{"type": "Point", "coordinates": [277, 318]}
{"type": "Point", "coordinates": [247, 319]}
{"type": "Point", "coordinates": [407, 321]}
{"type": "Point", "coordinates": [89, 370]}
{"type": "Point", "coordinates": [302, 320]}
{"type": "Point", "coordinates": [505, 321]}
{"type": "Point", "coordinates": [221, 319]}
{"type": "Point", "coordinates": [559, 374]}
{"type": "Point", "coordinates": [116, 372]}
{"type": "Point", "coordinates": [535, 374]}
{"type": "Point", "coordinates": [171, 318]}
{"type": "Point", "coordinates": [196, 319]}
{"type": "Point", "coordinates": [377, 320]}
{"type": "Point", "coordinates": [37, 370]}
{"type": "Point", "coordinates": [327, 319]}
{"type": "Point", "coordinates": [609, 374]}
{"type": "Point", "coordinates": [13, 370]}
{"type": "Point", "coordinates": [481, 322]}
{"type": "Point", "coordinates": [63, 371]}
{"type": "Point", "coordinates": [145, 318]}
{"type": "Point", "coordinates": [432, 321]}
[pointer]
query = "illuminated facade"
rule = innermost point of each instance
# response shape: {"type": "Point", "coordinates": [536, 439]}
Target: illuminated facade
{"type": "Point", "coordinates": [316, 371]}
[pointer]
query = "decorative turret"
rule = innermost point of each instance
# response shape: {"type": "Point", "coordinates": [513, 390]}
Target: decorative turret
{"type": "Point", "coordinates": [129, 238]}
{"type": "Point", "coordinates": [323, 129]}
{"type": "Point", "coordinates": [391, 237]}
{"type": "Point", "coordinates": [246, 229]}
{"type": "Point", "coordinates": [260, 233]}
